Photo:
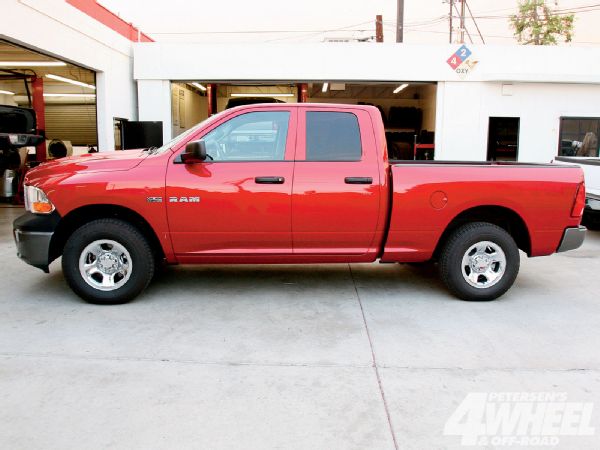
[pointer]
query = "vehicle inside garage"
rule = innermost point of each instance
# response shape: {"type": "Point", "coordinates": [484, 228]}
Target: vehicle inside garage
{"type": "Point", "coordinates": [45, 97]}
{"type": "Point", "coordinates": [407, 108]}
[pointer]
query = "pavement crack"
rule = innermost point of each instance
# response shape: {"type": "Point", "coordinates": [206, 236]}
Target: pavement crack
{"type": "Point", "coordinates": [374, 361]}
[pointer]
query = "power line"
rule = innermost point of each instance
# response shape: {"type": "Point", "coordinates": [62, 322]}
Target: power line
{"type": "Point", "coordinates": [557, 12]}
{"type": "Point", "coordinates": [409, 26]}
{"type": "Point", "coordinates": [256, 31]}
{"type": "Point", "coordinates": [475, 22]}
{"type": "Point", "coordinates": [512, 38]}
{"type": "Point", "coordinates": [424, 23]}
{"type": "Point", "coordinates": [317, 33]}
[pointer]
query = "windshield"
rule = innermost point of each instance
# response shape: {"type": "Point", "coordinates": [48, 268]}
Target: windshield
{"type": "Point", "coordinates": [183, 136]}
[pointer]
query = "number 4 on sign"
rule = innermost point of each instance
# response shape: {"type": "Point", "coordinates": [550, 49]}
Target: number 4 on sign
{"type": "Point", "coordinates": [454, 61]}
{"type": "Point", "coordinates": [468, 420]}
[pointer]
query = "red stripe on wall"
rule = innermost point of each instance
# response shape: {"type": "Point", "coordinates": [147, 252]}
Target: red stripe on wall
{"type": "Point", "coordinates": [109, 19]}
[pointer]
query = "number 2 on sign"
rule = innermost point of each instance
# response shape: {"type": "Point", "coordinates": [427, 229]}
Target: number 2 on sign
{"type": "Point", "coordinates": [463, 52]}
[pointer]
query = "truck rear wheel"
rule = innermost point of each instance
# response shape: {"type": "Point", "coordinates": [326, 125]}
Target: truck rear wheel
{"type": "Point", "coordinates": [107, 261]}
{"type": "Point", "coordinates": [480, 261]}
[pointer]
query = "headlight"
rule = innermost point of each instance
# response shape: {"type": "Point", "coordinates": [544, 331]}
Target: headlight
{"type": "Point", "coordinates": [36, 201]}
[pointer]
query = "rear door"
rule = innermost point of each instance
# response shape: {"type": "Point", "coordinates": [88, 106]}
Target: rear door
{"type": "Point", "coordinates": [238, 201]}
{"type": "Point", "coordinates": [336, 192]}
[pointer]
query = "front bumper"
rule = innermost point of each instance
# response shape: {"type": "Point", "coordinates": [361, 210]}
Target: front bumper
{"type": "Point", "coordinates": [33, 236]}
{"type": "Point", "coordinates": [572, 238]}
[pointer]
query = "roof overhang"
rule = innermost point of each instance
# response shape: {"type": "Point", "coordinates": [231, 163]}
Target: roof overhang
{"type": "Point", "coordinates": [368, 62]}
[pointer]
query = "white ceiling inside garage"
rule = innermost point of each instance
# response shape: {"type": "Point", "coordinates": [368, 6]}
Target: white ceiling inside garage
{"type": "Point", "coordinates": [13, 53]}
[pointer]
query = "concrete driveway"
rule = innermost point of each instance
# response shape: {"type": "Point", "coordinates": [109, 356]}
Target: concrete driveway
{"type": "Point", "coordinates": [286, 357]}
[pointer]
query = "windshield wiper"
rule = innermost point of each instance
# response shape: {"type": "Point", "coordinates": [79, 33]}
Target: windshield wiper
{"type": "Point", "coordinates": [151, 150]}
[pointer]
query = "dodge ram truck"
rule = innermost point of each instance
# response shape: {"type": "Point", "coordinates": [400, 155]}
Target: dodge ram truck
{"type": "Point", "coordinates": [292, 184]}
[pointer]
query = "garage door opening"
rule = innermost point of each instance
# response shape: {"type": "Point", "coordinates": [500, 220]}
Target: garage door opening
{"type": "Point", "coordinates": [69, 95]}
{"type": "Point", "coordinates": [407, 108]}
{"type": "Point", "coordinates": [57, 96]}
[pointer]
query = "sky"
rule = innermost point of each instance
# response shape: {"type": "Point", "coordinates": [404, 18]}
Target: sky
{"type": "Point", "coordinates": [426, 21]}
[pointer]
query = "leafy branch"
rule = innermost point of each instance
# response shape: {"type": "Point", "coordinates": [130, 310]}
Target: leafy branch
{"type": "Point", "coordinates": [537, 24]}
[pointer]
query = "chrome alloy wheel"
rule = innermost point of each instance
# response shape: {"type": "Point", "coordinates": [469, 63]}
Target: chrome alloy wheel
{"type": "Point", "coordinates": [105, 265]}
{"type": "Point", "coordinates": [483, 264]}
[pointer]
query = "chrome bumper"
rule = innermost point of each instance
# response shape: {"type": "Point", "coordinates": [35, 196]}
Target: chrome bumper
{"type": "Point", "coordinates": [572, 239]}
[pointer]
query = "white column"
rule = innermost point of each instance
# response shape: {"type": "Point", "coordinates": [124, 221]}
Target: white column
{"type": "Point", "coordinates": [106, 135]}
{"type": "Point", "coordinates": [154, 103]}
{"type": "Point", "coordinates": [115, 97]}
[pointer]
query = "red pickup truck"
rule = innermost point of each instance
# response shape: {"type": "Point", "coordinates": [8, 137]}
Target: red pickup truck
{"type": "Point", "coordinates": [291, 183]}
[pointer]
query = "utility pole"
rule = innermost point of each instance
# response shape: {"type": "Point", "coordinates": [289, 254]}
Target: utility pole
{"type": "Point", "coordinates": [400, 22]}
{"type": "Point", "coordinates": [462, 21]}
{"type": "Point", "coordinates": [462, 16]}
{"type": "Point", "coordinates": [450, 17]}
{"type": "Point", "coordinates": [379, 28]}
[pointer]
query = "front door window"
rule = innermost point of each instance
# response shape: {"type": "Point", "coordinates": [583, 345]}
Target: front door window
{"type": "Point", "coordinates": [255, 136]}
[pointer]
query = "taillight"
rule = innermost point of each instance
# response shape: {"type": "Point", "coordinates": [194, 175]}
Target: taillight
{"type": "Point", "coordinates": [579, 203]}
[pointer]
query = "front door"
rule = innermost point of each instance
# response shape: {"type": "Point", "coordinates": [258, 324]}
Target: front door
{"type": "Point", "coordinates": [337, 190]}
{"type": "Point", "coordinates": [238, 201]}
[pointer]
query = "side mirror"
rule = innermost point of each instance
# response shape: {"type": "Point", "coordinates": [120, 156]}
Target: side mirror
{"type": "Point", "coordinates": [195, 151]}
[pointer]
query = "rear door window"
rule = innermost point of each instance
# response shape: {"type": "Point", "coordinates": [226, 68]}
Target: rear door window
{"type": "Point", "coordinates": [332, 136]}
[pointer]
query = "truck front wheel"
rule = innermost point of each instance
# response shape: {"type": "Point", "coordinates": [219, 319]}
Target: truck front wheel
{"type": "Point", "coordinates": [479, 262]}
{"type": "Point", "coordinates": [107, 261]}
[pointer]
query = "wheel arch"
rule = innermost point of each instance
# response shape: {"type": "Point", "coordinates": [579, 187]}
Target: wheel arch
{"type": "Point", "coordinates": [88, 213]}
{"type": "Point", "coordinates": [504, 217]}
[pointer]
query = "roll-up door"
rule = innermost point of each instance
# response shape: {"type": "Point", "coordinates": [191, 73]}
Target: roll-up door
{"type": "Point", "coordinates": [75, 123]}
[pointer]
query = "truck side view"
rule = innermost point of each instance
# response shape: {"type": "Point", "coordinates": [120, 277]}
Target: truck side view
{"type": "Point", "coordinates": [292, 183]}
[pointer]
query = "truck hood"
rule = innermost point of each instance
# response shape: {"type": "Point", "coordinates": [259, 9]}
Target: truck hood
{"type": "Point", "coordinates": [90, 162]}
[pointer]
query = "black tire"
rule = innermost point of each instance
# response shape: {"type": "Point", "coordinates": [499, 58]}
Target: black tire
{"type": "Point", "coordinates": [591, 221]}
{"type": "Point", "coordinates": [457, 245]}
{"type": "Point", "coordinates": [123, 233]}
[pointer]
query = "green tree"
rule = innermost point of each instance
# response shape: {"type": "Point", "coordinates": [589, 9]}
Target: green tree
{"type": "Point", "coordinates": [536, 23]}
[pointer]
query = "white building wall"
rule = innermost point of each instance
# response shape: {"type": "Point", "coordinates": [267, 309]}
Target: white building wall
{"type": "Point", "coordinates": [154, 102]}
{"type": "Point", "coordinates": [58, 29]}
{"type": "Point", "coordinates": [464, 109]}
{"type": "Point", "coordinates": [362, 62]}
{"type": "Point", "coordinates": [541, 92]}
